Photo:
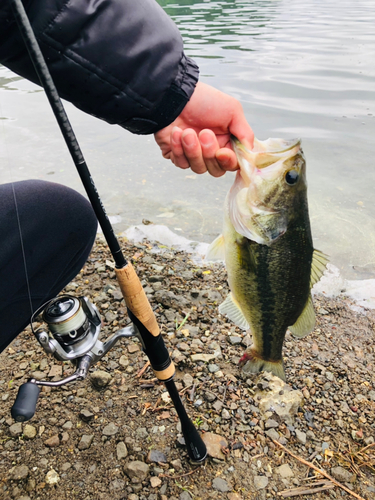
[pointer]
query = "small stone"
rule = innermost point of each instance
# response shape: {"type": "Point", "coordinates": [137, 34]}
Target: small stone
{"type": "Point", "coordinates": [29, 431]}
{"type": "Point", "coordinates": [53, 441]}
{"type": "Point", "coordinates": [225, 414]}
{"type": "Point", "coordinates": [85, 442]}
{"type": "Point", "coordinates": [176, 464]}
{"type": "Point", "coordinates": [301, 436]}
{"type": "Point", "coordinates": [220, 484]}
{"type": "Point", "coordinates": [55, 371]}
{"type": "Point", "coordinates": [285, 471]}
{"type": "Point", "coordinates": [273, 434]}
{"type": "Point", "coordinates": [185, 495]}
{"type": "Point", "coordinates": [52, 477]}
{"type": "Point", "coordinates": [86, 415]}
{"type": "Point", "coordinates": [217, 406]}
{"type": "Point", "coordinates": [137, 470]}
{"type": "Point", "coordinates": [110, 429]}
{"type": "Point", "coordinates": [100, 379]}
{"type": "Point", "coordinates": [260, 482]}
{"type": "Point", "coordinates": [212, 368]}
{"type": "Point", "coordinates": [209, 396]}
{"type": "Point", "coordinates": [187, 380]}
{"type": "Point", "coordinates": [66, 466]}
{"type": "Point", "coordinates": [132, 348]}
{"type": "Point", "coordinates": [155, 482]}
{"type": "Point", "coordinates": [342, 475]}
{"type": "Point", "coordinates": [124, 361]}
{"type": "Point", "coordinates": [214, 444]}
{"type": "Point", "coordinates": [270, 423]}
{"type": "Point", "coordinates": [156, 456]}
{"type": "Point", "coordinates": [235, 340]}
{"type": "Point", "coordinates": [15, 430]}
{"type": "Point", "coordinates": [68, 425]}
{"type": "Point", "coordinates": [19, 472]}
{"type": "Point", "coordinates": [121, 450]}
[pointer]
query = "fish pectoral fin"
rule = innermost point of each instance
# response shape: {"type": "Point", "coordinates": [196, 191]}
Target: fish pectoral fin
{"type": "Point", "coordinates": [306, 322]}
{"type": "Point", "coordinates": [216, 251]}
{"type": "Point", "coordinates": [318, 266]}
{"type": "Point", "coordinates": [232, 309]}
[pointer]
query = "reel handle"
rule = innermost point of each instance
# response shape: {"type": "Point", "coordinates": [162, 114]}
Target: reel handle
{"type": "Point", "coordinates": [24, 406]}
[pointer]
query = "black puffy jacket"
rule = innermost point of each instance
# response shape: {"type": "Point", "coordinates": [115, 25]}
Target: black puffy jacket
{"type": "Point", "coordinates": [119, 60]}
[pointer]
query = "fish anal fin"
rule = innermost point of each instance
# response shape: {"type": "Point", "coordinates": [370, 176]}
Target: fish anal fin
{"type": "Point", "coordinates": [232, 309]}
{"type": "Point", "coordinates": [216, 250]}
{"type": "Point", "coordinates": [318, 266]}
{"type": "Point", "coordinates": [306, 322]}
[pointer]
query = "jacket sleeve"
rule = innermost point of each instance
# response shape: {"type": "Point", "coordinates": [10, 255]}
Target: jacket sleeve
{"type": "Point", "coordinates": [119, 60]}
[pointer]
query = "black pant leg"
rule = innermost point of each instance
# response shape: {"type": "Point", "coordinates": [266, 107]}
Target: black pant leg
{"type": "Point", "coordinates": [58, 228]}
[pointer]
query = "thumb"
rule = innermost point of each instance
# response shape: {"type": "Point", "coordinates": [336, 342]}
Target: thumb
{"type": "Point", "coordinates": [242, 130]}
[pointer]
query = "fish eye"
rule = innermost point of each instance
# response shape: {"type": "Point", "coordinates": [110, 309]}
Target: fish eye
{"type": "Point", "coordinates": [291, 177]}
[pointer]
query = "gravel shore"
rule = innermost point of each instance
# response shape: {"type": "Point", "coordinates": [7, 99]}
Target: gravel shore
{"type": "Point", "coordinates": [116, 434]}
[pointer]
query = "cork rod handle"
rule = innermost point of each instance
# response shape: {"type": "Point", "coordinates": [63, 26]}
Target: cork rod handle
{"type": "Point", "coordinates": [135, 298]}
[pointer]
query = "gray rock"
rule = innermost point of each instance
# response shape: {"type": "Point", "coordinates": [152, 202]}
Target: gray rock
{"type": "Point", "coordinates": [220, 484]}
{"type": "Point", "coordinates": [141, 432]}
{"type": "Point", "coordinates": [285, 471]}
{"type": "Point", "coordinates": [217, 405]}
{"type": "Point", "coordinates": [110, 429]}
{"type": "Point", "coordinates": [15, 430]}
{"type": "Point", "coordinates": [270, 423]}
{"type": "Point", "coordinates": [225, 414]}
{"type": "Point", "coordinates": [185, 495]}
{"type": "Point", "coordinates": [122, 451]}
{"type": "Point", "coordinates": [371, 395]}
{"type": "Point", "coordinates": [85, 442]}
{"type": "Point", "coordinates": [100, 379]}
{"type": "Point", "coordinates": [188, 380]}
{"type": "Point", "coordinates": [209, 396]}
{"type": "Point", "coordinates": [342, 475]}
{"type": "Point", "coordinates": [235, 340]}
{"type": "Point", "coordinates": [156, 456]}
{"type": "Point", "coordinates": [273, 434]}
{"type": "Point", "coordinates": [68, 425]}
{"type": "Point", "coordinates": [86, 415]}
{"type": "Point", "coordinates": [137, 470]}
{"type": "Point", "coordinates": [260, 482]}
{"type": "Point", "coordinates": [301, 436]}
{"type": "Point", "coordinates": [19, 472]}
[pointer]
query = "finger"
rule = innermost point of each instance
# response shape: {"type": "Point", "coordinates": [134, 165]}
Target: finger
{"type": "Point", "coordinates": [193, 151]}
{"type": "Point", "coordinates": [209, 146]}
{"type": "Point", "coordinates": [178, 155]}
{"type": "Point", "coordinates": [227, 159]}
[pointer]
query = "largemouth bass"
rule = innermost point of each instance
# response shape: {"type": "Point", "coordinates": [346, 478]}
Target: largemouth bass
{"type": "Point", "coordinates": [268, 251]}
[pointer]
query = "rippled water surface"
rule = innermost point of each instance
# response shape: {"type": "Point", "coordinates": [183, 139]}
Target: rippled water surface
{"type": "Point", "coordinates": [300, 68]}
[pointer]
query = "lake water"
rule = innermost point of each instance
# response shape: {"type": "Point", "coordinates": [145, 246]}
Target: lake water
{"type": "Point", "coordinates": [300, 69]}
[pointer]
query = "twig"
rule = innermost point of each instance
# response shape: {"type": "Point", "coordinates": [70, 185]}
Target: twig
{"type": "Point", "coordinates": [326, 485]}
{"type": "Point", "coordinates": [322, 472]}
{"type": "Point", "coordinates": [142, 370]}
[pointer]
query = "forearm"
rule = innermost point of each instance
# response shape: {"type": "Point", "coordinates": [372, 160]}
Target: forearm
{"type": "Point", "coordinates": [119, 60]}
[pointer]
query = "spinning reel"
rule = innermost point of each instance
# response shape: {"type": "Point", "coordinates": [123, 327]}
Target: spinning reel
{"type": "Point", "coordinates": [71, 333]}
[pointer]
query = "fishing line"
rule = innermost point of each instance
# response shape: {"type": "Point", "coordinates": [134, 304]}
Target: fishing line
{"type": "Point", "coordinates": [17, 214]}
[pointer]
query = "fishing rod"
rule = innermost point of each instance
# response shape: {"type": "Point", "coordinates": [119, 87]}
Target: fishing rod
{"type": "Point", "coordinates": [75, 323]}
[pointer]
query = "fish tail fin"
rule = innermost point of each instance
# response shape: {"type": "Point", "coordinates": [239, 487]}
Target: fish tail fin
{"type": "Point", "coordinates": [251, 362]}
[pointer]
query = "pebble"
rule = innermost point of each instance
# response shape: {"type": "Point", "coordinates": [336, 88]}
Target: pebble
{"type": "Point", "coordinates": [214, 444]}
{"type": "Point", "coordinates": [100, 379]}
{"type": "Point", "coordinates": [185, 495]}
{"type": "Point", "coordinates": [86, 415]}
{"type": "Point", "coordinates": [155, 482]}
{"type": "Point", "coordinates": [29, 431]}
{"type": "Point", "coordinates": [260, 482]}
{"type": "Point", "coordinates": [19, 472]}
{"type": "Point", "coordinates": [301, 436]}
{"type": "Point", "coordinates": [137, 470]}
{"type": "Point", "coordinates": [342, 475]}
{"type": "Point", "coordinates": [220, 484]}
{"type": "Point", "coordinates": [121, 450]}
{"type": "Point", "coordinates": [52, 477]}
{"type": "Point", "coordinates": [156, 456]}
{"type": "Point", "coordinates": [53, 441]}
{"type": "Point", "coordinates": [285, 471]}
{"type": "Point", "coordinates": [15, 430]}
{"type": "Point", "coordinates": [202, 357]}
{"type": "Point", "coordinates": [85, 441]}
{"type": "Point", "coordinates": [110, 429]}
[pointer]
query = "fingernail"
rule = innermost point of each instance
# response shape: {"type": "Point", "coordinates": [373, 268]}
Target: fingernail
{"type": "Point", "coordinates": [189, 139]}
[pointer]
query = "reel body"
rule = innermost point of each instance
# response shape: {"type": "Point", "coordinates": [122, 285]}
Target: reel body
{"type": "Point", "coordinates": [71, 333]}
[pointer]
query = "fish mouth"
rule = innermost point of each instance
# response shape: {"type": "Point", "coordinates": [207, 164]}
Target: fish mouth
{"type": "Point", "coordinates": [271, 145]}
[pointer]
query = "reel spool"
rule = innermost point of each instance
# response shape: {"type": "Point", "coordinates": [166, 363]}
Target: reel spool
{"type": "Point", "coordinates": [73, 327]}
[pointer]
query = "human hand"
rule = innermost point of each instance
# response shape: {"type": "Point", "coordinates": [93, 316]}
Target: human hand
{"type": "Point", "coordinates": [199, 138]}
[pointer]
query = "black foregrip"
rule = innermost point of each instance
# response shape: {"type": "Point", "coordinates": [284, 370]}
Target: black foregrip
{"type": "Point", "coordinates": [25, 403]}
{"type": "Point", "coordinates": [154, 347]}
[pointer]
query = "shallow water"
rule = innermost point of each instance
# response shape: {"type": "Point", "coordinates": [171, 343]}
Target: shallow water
{"type": "Point", "coordinates": [301, 69]}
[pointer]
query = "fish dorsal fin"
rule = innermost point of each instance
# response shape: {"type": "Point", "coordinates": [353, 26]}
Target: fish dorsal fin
{"type": "Point", "coordinates": [318, 266]}
{"type": "Point", "coordinates": [216, 250]}
{"type": "Point", "coordinates": [306, 322]}
{"type": "Point", "coordinates": [232, 309]}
